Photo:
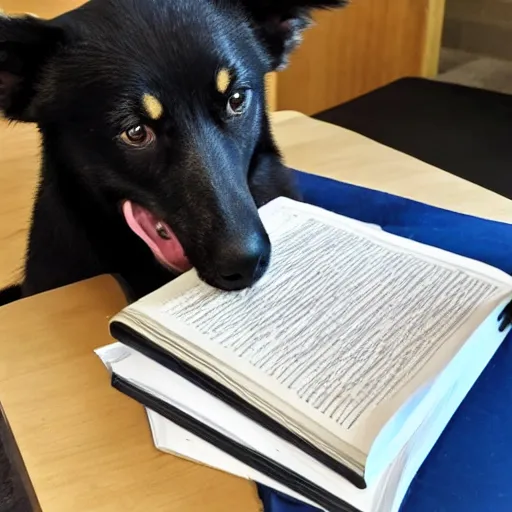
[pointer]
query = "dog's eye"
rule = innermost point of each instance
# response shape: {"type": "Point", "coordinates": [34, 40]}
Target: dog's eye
{"type": "Point", "coordinates": [237, 103]}
{"type": "Point", "coordinates": [139, 136]}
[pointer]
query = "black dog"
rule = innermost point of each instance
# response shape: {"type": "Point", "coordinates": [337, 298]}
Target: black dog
{"type": "Point", "coordinates": [156, 149]}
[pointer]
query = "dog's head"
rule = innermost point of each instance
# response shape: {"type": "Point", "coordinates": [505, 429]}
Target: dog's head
{"type": "Point", "coordinates": [156, 109]}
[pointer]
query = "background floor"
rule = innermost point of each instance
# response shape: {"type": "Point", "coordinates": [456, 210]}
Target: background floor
{"type": "Point", "coordinates": [460, 67]}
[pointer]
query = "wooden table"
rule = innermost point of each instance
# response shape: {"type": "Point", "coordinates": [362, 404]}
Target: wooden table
{"type": "Point", "coordinates": [86, 446]}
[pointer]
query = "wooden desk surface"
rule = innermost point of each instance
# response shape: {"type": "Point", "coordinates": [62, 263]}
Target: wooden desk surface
{"type": "Point", "coordinates": [329, 150]}
{"type": "Point", "coordinates": [88, 447]}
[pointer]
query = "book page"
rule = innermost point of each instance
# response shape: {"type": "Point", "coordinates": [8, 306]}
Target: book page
{"type": "Point", "coordinates": [339, 319]}
{"type": "Point", "coordinates": [344, 318]}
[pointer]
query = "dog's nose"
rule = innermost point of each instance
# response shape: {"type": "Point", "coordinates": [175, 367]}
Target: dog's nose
{"type": "Point", "coordinates": [242, 263]}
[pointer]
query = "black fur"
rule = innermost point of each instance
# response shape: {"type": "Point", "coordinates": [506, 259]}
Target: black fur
{"type": "Point", "coordinates": [10, 294]}
{"type": "Point", "coordinates": [81, 78]}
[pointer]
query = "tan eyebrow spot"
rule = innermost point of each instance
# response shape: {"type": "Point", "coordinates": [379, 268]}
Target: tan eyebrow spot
{"type": "Point", "coordinates": [223, 80]}
{"type": "Point", "coordinates": [152, 106]}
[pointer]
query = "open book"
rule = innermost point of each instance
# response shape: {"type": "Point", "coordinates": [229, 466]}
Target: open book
{"type": "Point", "coordinates": [337, 371]}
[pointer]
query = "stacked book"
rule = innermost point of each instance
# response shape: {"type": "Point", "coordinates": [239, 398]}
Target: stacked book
{"type": "Point", "coordinates": [333, 377]}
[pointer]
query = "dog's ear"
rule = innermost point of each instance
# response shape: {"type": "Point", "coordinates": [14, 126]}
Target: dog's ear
{"type": "Point", "coordinates": [279, 23]}
{"type": "Point", "coordinates": [26, 44]}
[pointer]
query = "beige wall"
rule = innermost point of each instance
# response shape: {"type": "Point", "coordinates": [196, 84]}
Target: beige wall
{"type": "Point", "coordinates": [479, 26]}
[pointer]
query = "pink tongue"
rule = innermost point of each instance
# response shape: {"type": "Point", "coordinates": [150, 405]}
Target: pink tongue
{"type": "Point", "coordinates": [144, 224]}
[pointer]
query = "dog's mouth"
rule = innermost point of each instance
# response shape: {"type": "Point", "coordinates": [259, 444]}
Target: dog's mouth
{"type": "Point", "coordinates": [158, 236]}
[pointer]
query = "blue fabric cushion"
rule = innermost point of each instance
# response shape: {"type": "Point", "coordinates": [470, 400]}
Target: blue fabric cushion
{"type": "Point", "coordinates": [470, 468]}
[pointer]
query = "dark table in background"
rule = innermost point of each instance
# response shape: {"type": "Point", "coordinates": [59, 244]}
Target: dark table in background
{"type": "Point", "coordinates": [462, 130]}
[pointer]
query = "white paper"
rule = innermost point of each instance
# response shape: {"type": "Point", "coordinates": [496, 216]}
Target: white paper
{"type": "Point", "coordinates": [170, 438]}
